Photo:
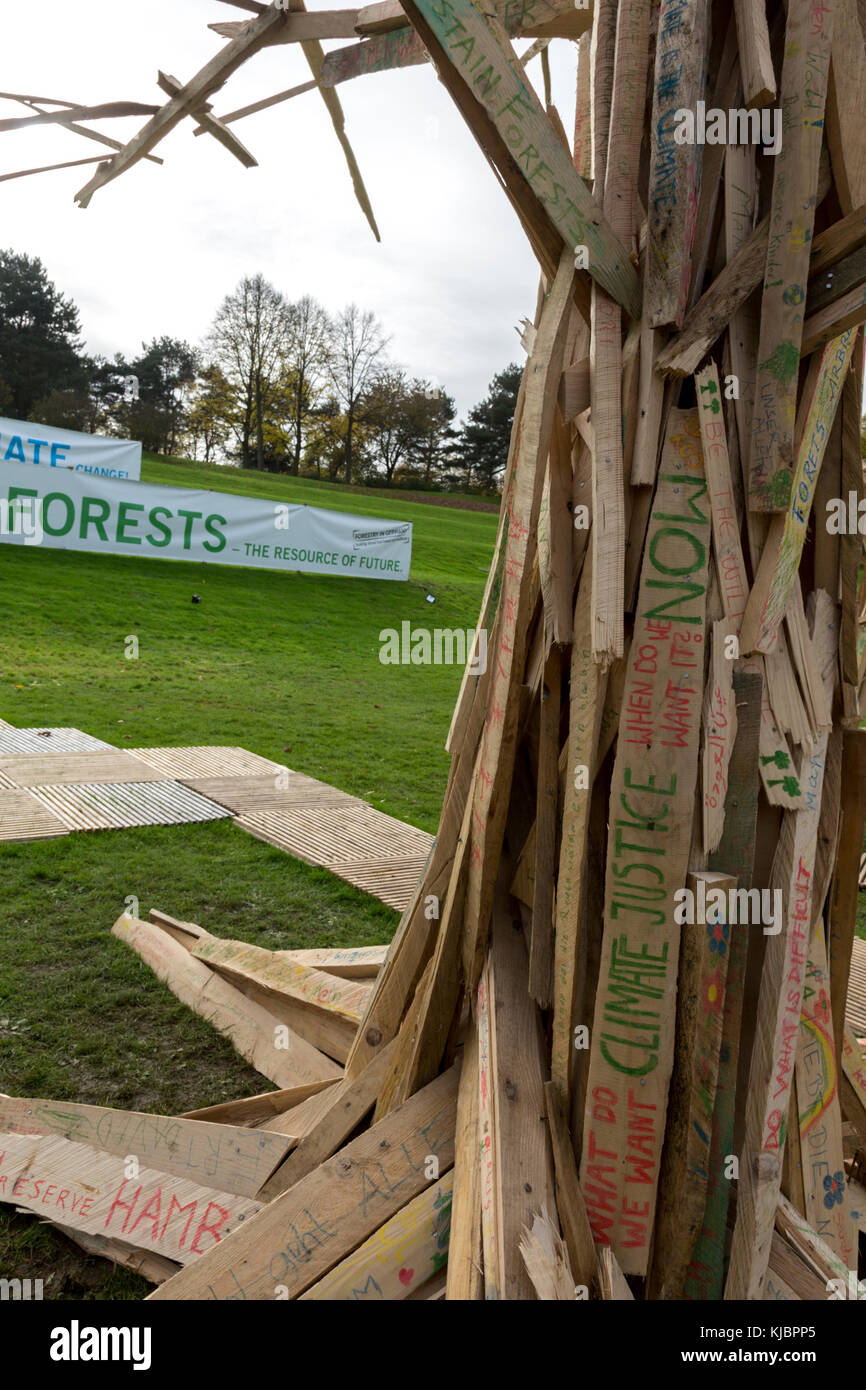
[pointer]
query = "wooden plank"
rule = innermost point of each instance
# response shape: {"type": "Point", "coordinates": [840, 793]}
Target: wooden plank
{"type": "Point", "coordinates": [851, 546]}
{"type": "Point", "coordinates": [154, 1268]}
{"type": "Point", "coordinates": [841, 239]}
{"type": "Point", "coordinates": [250, 1029]}
{"type": "Point", "coordinates": [845, 313]}
{"type": "Point", "coordinates": [223, 1156]}
{"type": "Point", "coordinates": [611, 1281]}
{"type": "Point", "coordinates": [701, 992]}
{"type": "Point", "coordinates": [398, 1258]}
{"type": "Point", "coordinates": [303, 1117]}
{"type": "Point", "coordinates": [297, 1238]}
{"type": "Point", "coordinates": [355, 1100]}
{"type": "Point", "coordinates": [845, 107]}
{"type": "Point", "coordinates": [854, 1067]}
{"type": "Point", "coordinates": [756, 62]}
{"type": "Point", "coordinates": [719, 718]}
{"type": "Point", "coordinates": [523, 1170]}
{"type": "Point", "coordinates": [616, 172]}
{"type": "Point", "coordinates": [300, 983]}
{"type": "Point", "coordinates": [674, 176]}
{"type": "Point", "coordinates": [727, 546]}
{"type": "Point", "coordinates": [499, 85]}
{"type": "Point", "coordinates": [498, 743]}
{"type": "Point", "coordinates": [318, 1007]}
{"type": "Point", "coordinates": [652, 795]}
{"type": "Point", "coordinates": [803, 93]}
{"type": "Point", "coordinates": [780, 558]}
{"type": "Point", "coordinates": [255, 35]}
{"type": "Point", "coordinates": [809, 1245]}
{"type": "Point", "coordinates": [582, 146]}
{"type": "Point", "coordinates": [778, 1016]}
{"type": "Point", "coordinates": [348, 962]}
{"type": "Point", "coordinates": [834, 282]}
{"type": "Point", "coordinates": [171, 1216]}
{"type": "Point", "coordinates": [820, 1119]}
{"type": "Point", "coordinates": [734, 856]}
{"type": "Point", "coordinates": [586, 695]}
{"type": "Point", "coordinates": [569, 1199]}
{"type": "Point", "coordinates": [257, 1110]}
{"type": "Point", "coordinates": [209, 124]}
{"type": "Point", "coordinates": [465, 1278]}
{"type": "Point", "coordinates": [843, 904]}
{"type": "Point", "coordinates": [546, 822]}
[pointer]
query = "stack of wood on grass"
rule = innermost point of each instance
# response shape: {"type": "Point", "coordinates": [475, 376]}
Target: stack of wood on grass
{"type": "Point", "coordinates": [571, 1076]}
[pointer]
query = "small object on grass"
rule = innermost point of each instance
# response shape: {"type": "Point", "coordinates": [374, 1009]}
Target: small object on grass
{"type": "Point", "coordinates": [196, 598]}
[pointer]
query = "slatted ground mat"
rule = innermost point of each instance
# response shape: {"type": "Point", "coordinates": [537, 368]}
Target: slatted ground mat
{"type": "Point", "coordinates": [247, 794]}
{"type": "Point", "coordinates": [52, 769]}
{"type": "Point", "coordinates": [14, 740]}
{"type": "Point", "coordinates": [211, 761]}
{"type": "Point", "coordinates": [123, 805]}
{"type": "Point", "coordinates": [855, 1012]}
{"type": "Point", "coordinates": [23, 817]}
{"type": "Point", "coordinates": [359, 844]}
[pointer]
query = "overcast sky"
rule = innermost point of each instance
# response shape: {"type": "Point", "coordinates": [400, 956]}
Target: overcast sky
{"type": "Point", "coordinates": [157, 250]}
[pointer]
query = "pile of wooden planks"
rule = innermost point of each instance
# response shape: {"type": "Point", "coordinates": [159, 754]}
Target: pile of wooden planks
{"type": "Point", "coordinates": [601, 1056]}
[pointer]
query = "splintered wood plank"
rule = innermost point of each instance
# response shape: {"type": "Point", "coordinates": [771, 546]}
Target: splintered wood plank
{"type": "Point", "coordinates": [703, 971]}
{"type": "Point", "coordinates": [792, 214]}
{"type": "Point", "coordinates": [674, 176]}
{"type": "Point", "coordinates": [820, 1119]}
{"type": "Point", "coordinates": [402, 1255]}
{"type": "Point", "coordinates": [465, 1278]}
{"type": "Point", "coordinates": [305, 1232]}
{"type": "Point", "coordinates": [209, 761]}
{"type": "Point", "coordinates": [499, 737]}
{"type": "Point", "coordinates": [778, 1017]}
{"type": "Point", "coordinates": [586, 696]}
{"type": "Point", "coordinates": [353, 1101]}
{"type": "Point", "coordinates": [251, 1030]}
{"type": "Point", "coordinates": [60, 769]}
{"type": "Point", "coordinates": [848, 311]}
{"type": "Point", "coordinates": [523, 1170]}
{"type": "Point", "coordinates": [210, 124]}
{"type": "Point", "coordinates": [734, 856]}
{"type": "Point", "coordinates": [652, 804]}
{"type": "Point", "coordinates": [88, 1190]}
{"type": "Point", "coordinates": [223, 1156]}
{"type": "Point", "coordinates": [496, 82]}
{"type": "Point", "coordinates": [783, 548]}
{"type": "Point", "coordinates": [23, 817]}
{"type": "Point", "coordinates": [119, 805]}
{"type": "Point", "coordinates": [854, 1065]}
{"type": "Point", "coordinates": [756, 62]}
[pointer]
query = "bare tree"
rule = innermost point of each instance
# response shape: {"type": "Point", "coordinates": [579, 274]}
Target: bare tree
{"type": "Point", "coordinates": [357, 350]}
{"type": "Point", "coordinates": [248, 340]}
{"type": "Point", "coordinates": [306, 359]}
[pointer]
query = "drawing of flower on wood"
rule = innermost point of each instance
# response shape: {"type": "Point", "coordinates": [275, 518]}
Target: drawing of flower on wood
{"type": "Point", "coordinates": [834, 1188]}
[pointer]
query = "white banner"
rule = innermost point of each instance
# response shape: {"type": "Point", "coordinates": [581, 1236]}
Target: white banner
{"type": "Point", "coordinates": [70, 511]}
{"type": "Point", "coordinates": [48, 447]}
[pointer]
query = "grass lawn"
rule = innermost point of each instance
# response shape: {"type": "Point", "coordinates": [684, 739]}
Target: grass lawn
{"type": "Point", "coordinates": [284, 664]}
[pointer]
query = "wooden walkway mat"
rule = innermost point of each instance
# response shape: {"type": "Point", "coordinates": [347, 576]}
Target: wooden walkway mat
{"type": "Point", "coordinates": [359, 844]}
{"type": "Point", "coordinates": [14, 740]}
{"type": "Point", "coordinates": [22, 818]}
{"type": "Point", "coordinates": [122, 805]}
{"type": "Point", "coordinates": [51, 769]}
{"type": "Point", "coordinates": [855, 1013]}
{"type": "Point", "coordinates": [211, 761]}
{"type": "Point", "coordinates": [250, 794]}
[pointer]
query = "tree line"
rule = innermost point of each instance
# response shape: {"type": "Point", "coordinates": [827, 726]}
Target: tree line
{"type": "Point", "coordinates": [276, 385]}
